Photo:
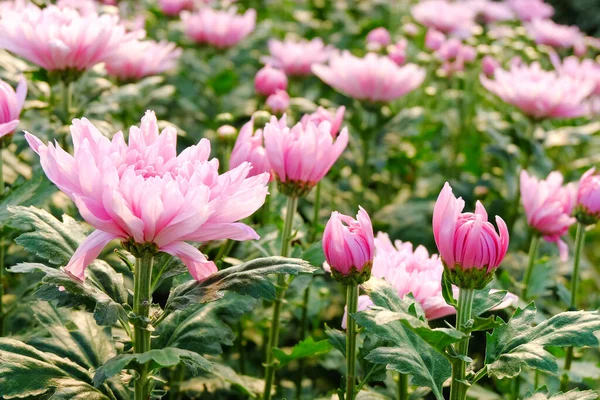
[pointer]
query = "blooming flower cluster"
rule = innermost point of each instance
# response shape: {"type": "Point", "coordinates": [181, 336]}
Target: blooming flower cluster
{"type": "Point", "coordinates": [219, 28]}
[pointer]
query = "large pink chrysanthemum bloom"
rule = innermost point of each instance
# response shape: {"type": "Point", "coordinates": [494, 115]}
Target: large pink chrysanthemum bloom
{"type": "Point", "coordinates": [373, 78]}
{"type": "Point", "coordinates": [539, 93]}
{"type": "Point", "coordinates": [549, 33]}
{"type": "Point", "coordinates": [548, 206]}
{"type": "Point", "coordinates": [136, 59]}
{"type": "Point", "coordinates": [302, 155]}
{"type": "Point", "coordinates": [174, 7]}
{"type": "Point", "coordinates": [249, 147]}
{"type": "Point", "coordinates": [221, 29]}
{"type": "Point", "coordinates": [60, 39]}
{"type": "Point", "coordinates": [296, 58]}
{"type": "Point", "coordinates": [149, 197]}
{"type": "Point", "coordinates": [450, 18]}
{"type": "Point", "coordinates": [468, 244]}
{"type": "Point", "coordinates": [528, 10]}
{"type": "Point", "coordinates": [11, 104]}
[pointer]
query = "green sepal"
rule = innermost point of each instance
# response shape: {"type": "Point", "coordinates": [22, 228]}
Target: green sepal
{"type": "Point", "coordinates": [354, 277]}
{"type": "Point", "coordinates": [469, 278]}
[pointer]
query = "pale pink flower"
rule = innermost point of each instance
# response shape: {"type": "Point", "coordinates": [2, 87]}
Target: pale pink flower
{"type": "Point", "coordinates": [268, 80]}
{"type": "Point", "coordinates": [539, 93]}
{"type": "Point", "coordinates": [249, 147]}
{"type": "Point", "coordinates": [296, 58]}
{"type": "Point", "coordinates": [552, 34]}
{"type": "Point", "coordinates": [493, 11]}
{"type": "Point", "coordinates": [221, 29]}
{"type": "Point", "coordinates": [528, 10]}
{"type": "Point", "coordinates": [379, 36]}
{"type": "Point", "coordinates": [279, 101]}
{"type": "Point", "coordinates": [322, 115]}
{"type": "Point", "coordinates": [397, 52]}
{"type": "Point", "coordinates": [302, 155]}
{"type": "Point", "coordinates": [450, 18]}
{"type": "Point", "coordinates": [548, 206]}
{"type": "Point", "coordinates": [144, 193]}
{"type": "Point", "coordinates": [373, 78]}
{"type": "Point", "coordinates": [136, 59]}
{"type": "Point", "coordinates": [588, 194]}
{"type": "Point", "coordinates": [467, 240]}
{"type": "Point", "coordinates": [348, 243]}
{"type": "Point", "coordinates": [174, 7]}
{"type": "Point", "coordinates": [83, 6]}
{"type": "Point", "coordinates": [364, 303]}
{"type": "Point", "coordinates": [434, 39]}
{"type": "Point", "coordinates": [489, 65]}
{"type": "Point", "coordinates": [59, 39]}
{"type": "Point", "coordinates": [410, 29]}
{"type": "Point", "coordinates": [11, 104]}
{"type": "Point", "coordinates": [454, 55]}
{"type": "Point", "coordinates": [586, 69]}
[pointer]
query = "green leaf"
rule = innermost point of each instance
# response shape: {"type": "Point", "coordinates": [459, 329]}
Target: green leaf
{"type": "Point", "coordinates": [304, 349]}
{"type": "Point", "coordinates": [314, 255]}
{"type": "Point", "coordinates": [203, 328]}
{"type": "Point", "coordinates": [223, 379]}
{"type": "Point", "coordinates": [336, 338]}
{"type": "Point", "coordinates": [447, 291]}
{"type": "Point", "coordinates": [575, 394]}
{"type": "Point", "coordinates": [35, 191]}
{"type": "Point", "coordinates": [518, 344]}
{"type": "Point", "coordinates": [248, 279]}
{"type": "Point", "coordinates": [411, 353]}
{"type": "Point", "coordinates": [165, 267]}
{"type": "Point", "coordinates": [28, 372]}
{"type": "Point", "coordinates": [106, 310]}
{"type": "Point", "coordinates": [156, 359]}
{"type": "Point", "coordinates": [484, 300]}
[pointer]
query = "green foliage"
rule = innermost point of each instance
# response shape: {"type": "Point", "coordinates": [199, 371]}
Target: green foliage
{"type": "Point", "coordinates": [304, 349]}
{"type": "Point", "coordinates": [35, 191]}
{"type": "Point", "coordinates": [575, 394]}
{"type": "Point", "coordinates": [336, 338]}
{"type": "Point", "coordinates": [519, 344]}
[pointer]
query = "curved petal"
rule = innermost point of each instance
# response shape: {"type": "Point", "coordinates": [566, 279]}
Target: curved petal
{"type": "Point", "coordinates": [200, 268]}
{"type": "Point", "coordinates": [87, 252]}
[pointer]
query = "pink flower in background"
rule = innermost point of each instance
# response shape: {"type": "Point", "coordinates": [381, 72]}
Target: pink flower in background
{"type": "Point", "coordinates": [373, 78]}
{"type": "Point", "coordinates": [454, 55]}
{"type": "Point", "coordinates": [59, 39]}
{"type": "Point", "coordinates": [450, 18]}
{"type": "Point", "coordinates": [548, 206]}
{"type": "Point", "coordinates": [83, 6]}
{"type": "Point", "coordinates": [348, 243]}
{"type": "Point", "coordinates": [489, 65]}
{"type": "Point", "coordinates": [467, 240]}
{"type": "Point", "coordinates": [552, 34]}
{"type": "Point", "coordinates": [296, 58]}
{"type": "Point", "coordinates": [136, 59]}
{"type": "Point", "coordinates": [528, 10]}
{"type": "Point", "coordinates": [434, 39]}
{"type": "Point", "coordinates": [279, 101]}
{"type": "Point", "coordinates": [322, 115]}
{"type": "Point", "coordinates": [249, 148]}
{"type": "Point", "coordinates": [588, 194]}
{"type": "Point", "coordinates": [302, 155]}
{"type": "Point", "coordinates": [143, 192]}
{"type": "Point", "coordinates": [412, 271]}
{"type": "Point", "coordinates": [397, 52]}
{"type": "Point", "coordinates": [586, 69]}
{"type": "Point", "coordinates": [268, 80]}
{"type": "Point", "coordinates": [493, 11]}
{"type": "Point", "coordinates": [221, 29]}
{"type": "Point", "coordinates": [410, 29]}
{"type": "Point", "coordinates": [379, 36]}
{"type": "Point", "coordinates": [539, 93]}
{"type": "Point", "coordinates": [174, 7]}
{"type": "Point", "coordinates": [11, 104]}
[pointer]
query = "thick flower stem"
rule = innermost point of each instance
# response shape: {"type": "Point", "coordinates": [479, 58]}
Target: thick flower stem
{"type": "Point", "coordinates": [533, 250]}
{"type": "Point", "coordinates": [402, 387]}
{"type": "Point", "coordinates": [579, 240]}
{"type": "Point", "coordinates": [351, 308]}
{"type": "Point", "coordinates": [273, 341]}
{"type": "Point", "coordinates": [142, 298]}
{"type": "Point", "coordinates": [458, 390]}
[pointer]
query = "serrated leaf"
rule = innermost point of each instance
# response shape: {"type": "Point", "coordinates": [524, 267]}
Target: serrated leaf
{"type": "Point", "coordinates": [203, 328]}
{"type": "Point", "coordinates": [28, 372]}
{"type": "Point", "coordinates": [336, 338]}
{"type": "Point", "coordinates": [249, 279]}
{"type": "Point", "coordinates": [575, 394]}
{"type": "Point", "coordinates": [304, 349]}
{"type": "Point", "coordinates": [155, 359]}
{"type": "Point", "coordinates": [74, 293]}
{"type": "Point", "coordinates": [484, 300]}
{"type": "Point", "coordinates": [518, 344]}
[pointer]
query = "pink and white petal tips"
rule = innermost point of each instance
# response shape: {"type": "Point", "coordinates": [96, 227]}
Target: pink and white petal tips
{"type": "Point", "coordinates": [322, 115]}
{"type": "Point", "coordinates": [549, 33]}
{"type": "Point", "coordinates": [59, 39]}
{"type": "Point", "coordinates": [136, 59]}
{"type": "Point", "coordinates": [373, 78]}
{"type": "Point", "coordinates": [279, 101]}
{"type": "Point", "coordinates": [296, 58]}
{"type": "Point", "coordinates": [528, 10]}
{"type": "Point", "coordinates": [548, 206]}
{"type": "Point", "coordinates": [249, 148]}
{"type": "Point", "coordinates": [588, 198]}
{"type": "Point", "coordinates": [174, 7]}
{"type": "Point", "coordinates": [144, 193]}
{"type": "Point", "coordinates": [87, 252]}
{"type": "Point", "coordinates": [218, 28]}
{"type": "Point", "coordinates": [539, 93]}
{"type": "Point", "coordinates": [11, 104]}
{"type": "Point", "coordinates": [379, 36]}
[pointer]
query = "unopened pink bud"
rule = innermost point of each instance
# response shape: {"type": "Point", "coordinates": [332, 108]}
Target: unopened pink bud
{"type": "Point", "coordinates": [268, 80]}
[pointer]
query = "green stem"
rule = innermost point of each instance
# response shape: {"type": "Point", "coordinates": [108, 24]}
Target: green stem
{"type": "Point", "coordinates": [317, 208]}
{"type": "Point", "coordinates": [458, 390]}
{"type": "Point", "coordinates": [402, 387]}
{"type": "Point", "coordinates": [351, 308]}
{"type": "Point", "coordinates": [533, 249]}
{"type": "Point", "coordinates": [273, 342]}
{"type": "Point", "coordinates": [66, 102]}
{"type": "Point", "coordinates": [176, 378]}
{"type": "Point", "coordinates": [303, 329]}
{"type": "Point", "coordinates": [579, 240]}
{"type": "Point", "coordinates": [142, 298]}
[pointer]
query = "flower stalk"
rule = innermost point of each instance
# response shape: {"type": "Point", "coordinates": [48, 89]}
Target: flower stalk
{"type": "Point", "coordinates": [142, 299]}
{"type": "Point", "coordinates": [533, 250]}
{"type": "Point", "coordinates": [402, 386]}
{"type": "Point", "coordinates": [273, 341]}
{"type": "Point", "coordinates": [351, 308]}
{"type": "Point", "coordinates": [464, 311]}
